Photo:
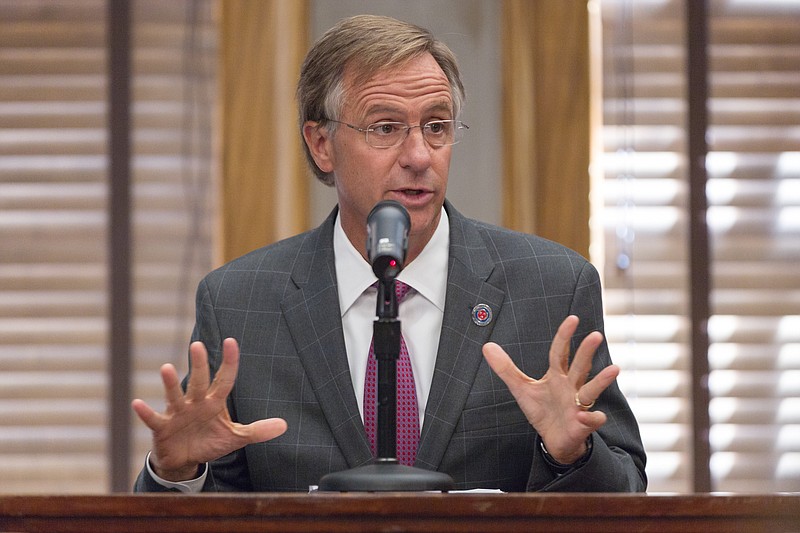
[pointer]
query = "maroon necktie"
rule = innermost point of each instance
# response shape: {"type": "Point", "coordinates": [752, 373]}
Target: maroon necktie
{"type": "Point", "coordinates": [407, 410]}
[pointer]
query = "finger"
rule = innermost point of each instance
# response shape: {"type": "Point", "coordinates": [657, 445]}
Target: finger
{"type": "Point", "coordinates": [592, 390]}
{"type": "Point", "coordinates": [502, 365]}
{"type": "Point", "coordinates": [226, 375]}
{"type": "Point", "coordinates": [559, 348]}
{"type": "Point", "coordinates": [173, 392]}
{"type": "Point", "coordinates": [582, 362]}
{"type": "Point", "coordinates": [592, 420]}
{"type": "Point", "coordinates": [146, 414]}
{"type": "Point", "coordinates": [197, 385]}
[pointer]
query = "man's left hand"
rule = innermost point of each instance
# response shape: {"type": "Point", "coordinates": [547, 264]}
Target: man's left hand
{"type": "Point", "coordinates": [551, 403]}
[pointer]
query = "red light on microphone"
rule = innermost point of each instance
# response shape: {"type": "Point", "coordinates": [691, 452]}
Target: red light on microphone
{"type": "Point", "coordinates": [392, 263]}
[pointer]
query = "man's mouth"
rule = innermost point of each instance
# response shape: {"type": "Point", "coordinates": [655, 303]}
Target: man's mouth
{"type": "Point", "coordinates": [412, 198]}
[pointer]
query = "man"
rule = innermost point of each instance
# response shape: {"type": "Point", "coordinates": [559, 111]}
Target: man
{"type": "Point", "coordinates": [504, 329]}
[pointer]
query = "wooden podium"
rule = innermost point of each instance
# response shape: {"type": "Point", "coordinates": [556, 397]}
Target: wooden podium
{"type": "Point", "coordinates": [326, 512]}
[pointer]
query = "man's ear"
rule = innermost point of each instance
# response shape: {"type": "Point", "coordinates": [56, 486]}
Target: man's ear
{"type": "Point", "coordinates": [319, 142]}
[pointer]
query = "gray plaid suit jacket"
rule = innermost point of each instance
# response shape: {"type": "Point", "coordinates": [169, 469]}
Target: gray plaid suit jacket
{"type": "Point", "coordinates": [280, 302]}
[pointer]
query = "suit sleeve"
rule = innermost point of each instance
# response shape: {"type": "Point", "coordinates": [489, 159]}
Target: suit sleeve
{"type": "Point", "coordinates": [617, 459]}
{"type": "Point", "coordinates": [145, 483]}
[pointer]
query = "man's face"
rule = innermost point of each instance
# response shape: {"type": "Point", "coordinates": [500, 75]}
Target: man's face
{"type": "Point", "coordinates": [413, 173]}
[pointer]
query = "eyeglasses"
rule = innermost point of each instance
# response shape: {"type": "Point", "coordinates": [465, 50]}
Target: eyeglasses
{"type": "Point", "coordinates": [388, 134]}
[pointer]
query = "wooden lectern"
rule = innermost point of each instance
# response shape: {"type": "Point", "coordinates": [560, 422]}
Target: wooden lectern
{"type": "Point", "coordinates": [373, 512]}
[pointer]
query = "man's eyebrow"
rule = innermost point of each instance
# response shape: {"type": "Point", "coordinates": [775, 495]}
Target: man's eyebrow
{"type": "Point", "coordinates": [435, 108]}
{"type": "Point", "coordinates": [441, 106]}
{"type": "Point", "coordinates": [382, 109]}
{"type": "Point", "coordinates": [444, 104]}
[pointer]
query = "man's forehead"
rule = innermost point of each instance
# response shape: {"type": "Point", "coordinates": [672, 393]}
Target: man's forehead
{"type": "Point", "coordinates": [422, 79]}
{"type": "Point", "coordinates": [358, 72]}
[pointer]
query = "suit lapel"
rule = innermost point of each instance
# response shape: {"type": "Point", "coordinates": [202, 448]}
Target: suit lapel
{"type": "Point", "coordinates": [315, 324]}
{"type": "Point", "coordinates": [459, 354]}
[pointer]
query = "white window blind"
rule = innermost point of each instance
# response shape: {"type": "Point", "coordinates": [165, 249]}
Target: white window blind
{"type": "Point", "coordinates": [174, 73]}
{"type": "Point", "coordinates": [53, 216]}
{"type": "Point", "coordinates": [754, 219]}
{"type": "Point", "coordinates": [644, 215]}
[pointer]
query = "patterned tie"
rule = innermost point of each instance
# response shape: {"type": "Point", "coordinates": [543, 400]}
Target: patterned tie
{"type": "Point", "coordinates": [407, 410]}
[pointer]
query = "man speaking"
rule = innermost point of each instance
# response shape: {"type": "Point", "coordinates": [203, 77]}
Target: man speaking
{"type": "Point", "coordinates": [509, 371]}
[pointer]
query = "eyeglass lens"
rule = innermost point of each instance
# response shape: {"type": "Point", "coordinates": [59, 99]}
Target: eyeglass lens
{"type": "Point", "coordinates": [436, 133]}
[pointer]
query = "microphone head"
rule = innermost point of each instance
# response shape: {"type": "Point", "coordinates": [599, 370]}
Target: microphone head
{"type": "Point", "coordinates": [388, 225]}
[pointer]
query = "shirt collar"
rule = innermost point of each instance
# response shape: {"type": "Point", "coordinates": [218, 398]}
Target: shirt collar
{"type": "Point", "coordinates": [427, 273]}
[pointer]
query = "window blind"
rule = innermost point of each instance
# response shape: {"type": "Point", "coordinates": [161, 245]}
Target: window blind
{"type": "Point", "coordinates": [174, 95]}
{"type": "Point", "coordinates": [753, 217]}
{"type": "Point", "coordinates": [53, 216]}
{"type": "Point", "coordinates": [52, 227]}
{"type": "Point", "coordinates": [645, 232]}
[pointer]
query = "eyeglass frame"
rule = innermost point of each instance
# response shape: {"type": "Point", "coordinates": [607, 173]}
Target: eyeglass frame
{"type": "Point", "coordinates": [458, 125]}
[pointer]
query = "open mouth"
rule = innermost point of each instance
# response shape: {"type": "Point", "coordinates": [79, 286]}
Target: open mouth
{"type": "Point", "coordinates": [413, 198]}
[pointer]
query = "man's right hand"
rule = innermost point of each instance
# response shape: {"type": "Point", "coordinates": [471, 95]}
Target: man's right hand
{"type": "Point", "coordinates": [196, 427]}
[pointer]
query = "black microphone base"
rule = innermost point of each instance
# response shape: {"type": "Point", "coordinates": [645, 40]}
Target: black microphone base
{"type": "Point", "coordinates": [386, 475]}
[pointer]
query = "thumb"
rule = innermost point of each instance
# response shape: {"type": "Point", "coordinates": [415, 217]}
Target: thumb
{"type": "Point", "coordinates": [502, 365]}
{"type": "Point", "coordinates": [266, 429]}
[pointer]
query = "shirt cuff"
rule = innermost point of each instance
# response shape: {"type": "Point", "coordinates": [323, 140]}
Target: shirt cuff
{"type": "Point", "coordinates": [190, 486]}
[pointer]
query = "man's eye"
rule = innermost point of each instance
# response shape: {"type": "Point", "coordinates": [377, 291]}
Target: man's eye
{"type": "Point", "coordinates": [385, 128]}
{"type": "Point", "coordinates": [437, 127]}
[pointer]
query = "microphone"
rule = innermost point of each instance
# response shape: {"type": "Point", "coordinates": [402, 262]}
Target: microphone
{"type": "Point", "coordinates": [387, 239]}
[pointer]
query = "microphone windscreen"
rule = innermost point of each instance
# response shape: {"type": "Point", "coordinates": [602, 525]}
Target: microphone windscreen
{"type": "Point", "coordinates": [388, 225]}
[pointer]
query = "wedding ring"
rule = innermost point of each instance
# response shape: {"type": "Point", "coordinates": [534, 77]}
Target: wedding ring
{"type": "Point", "coordinates": [584, 406]}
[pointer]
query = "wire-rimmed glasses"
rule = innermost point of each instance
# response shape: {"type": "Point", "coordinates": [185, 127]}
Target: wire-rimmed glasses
{"type": "Point", "coordinates": [388, 134]}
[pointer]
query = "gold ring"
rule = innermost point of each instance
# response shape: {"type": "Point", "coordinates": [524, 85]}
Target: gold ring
{"type": "Point", "coordinates": [584, 406]}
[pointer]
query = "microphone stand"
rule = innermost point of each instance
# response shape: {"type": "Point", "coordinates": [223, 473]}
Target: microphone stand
{"type": "Point", "coordinates": [385, 473]}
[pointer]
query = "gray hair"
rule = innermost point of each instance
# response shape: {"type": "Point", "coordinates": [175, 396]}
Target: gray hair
{"type": "Point", "coordinates": [366, 45]}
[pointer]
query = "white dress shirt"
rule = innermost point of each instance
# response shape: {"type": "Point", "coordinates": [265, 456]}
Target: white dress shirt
{"type": "Point", "coordinates": [421, 314]}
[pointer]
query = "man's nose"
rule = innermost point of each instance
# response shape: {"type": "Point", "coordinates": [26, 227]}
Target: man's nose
{"type": "Point", "coordinates": [415, 148]}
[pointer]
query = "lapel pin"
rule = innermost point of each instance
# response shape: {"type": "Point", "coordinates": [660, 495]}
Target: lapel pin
{"type": "Point", "coordinates": [481, 314]}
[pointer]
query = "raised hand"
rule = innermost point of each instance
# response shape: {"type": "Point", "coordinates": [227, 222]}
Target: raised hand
{"type": "Point", "coordinates": [557, 405]}
{"type": "Point", "coordinates": [196, 426]}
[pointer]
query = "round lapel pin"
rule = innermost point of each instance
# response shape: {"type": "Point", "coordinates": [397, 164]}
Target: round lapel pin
{"type": "Point", "coordinates": [481, 314]}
